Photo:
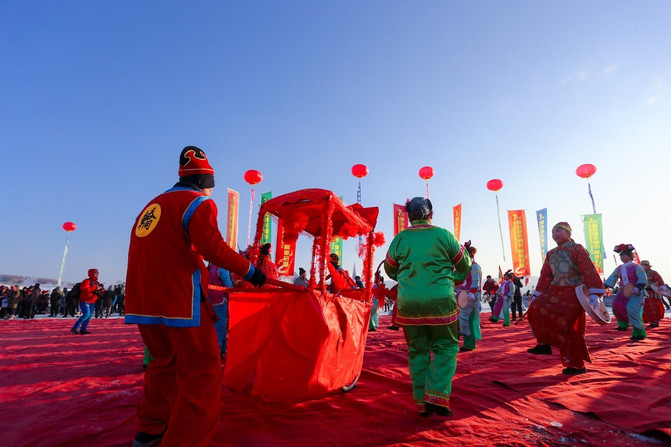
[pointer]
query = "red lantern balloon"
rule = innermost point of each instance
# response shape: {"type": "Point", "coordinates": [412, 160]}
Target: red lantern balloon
{"type": "Point", "coordinates": [69, 226]}
{"type": "Point", "coordinates": [494, 184]}
{"type": "Point", "coordinates": [359, 171]}
{"type": "Point", "coordinates": [426, 173]}
{"type": "Point", "coordinates": [585, 171]}
{"type": "Point", "coordinates": [253, 177]}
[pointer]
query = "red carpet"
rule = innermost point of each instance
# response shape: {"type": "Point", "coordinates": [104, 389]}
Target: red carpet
{"type": "Point", "coordinates": [58, 389]}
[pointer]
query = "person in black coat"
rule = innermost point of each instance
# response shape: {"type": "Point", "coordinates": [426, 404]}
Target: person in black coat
{"type": "Point", "coordinates": [517, 297]}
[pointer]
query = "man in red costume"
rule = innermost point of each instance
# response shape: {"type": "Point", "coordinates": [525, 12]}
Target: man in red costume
{"type": "Point", "coordinates": [166, 296]}
{"type": "Point", "coordinates": [556, 316]}
{"type": "Point", "coordinates": [89, 292]}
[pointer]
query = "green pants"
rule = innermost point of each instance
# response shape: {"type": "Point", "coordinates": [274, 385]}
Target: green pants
{"type": "Point", "coordinates": [374, 321]}
{"type": "Point", "coordinates": [432, 379]}
{"type": "Point", "coordinates": [474, 330]}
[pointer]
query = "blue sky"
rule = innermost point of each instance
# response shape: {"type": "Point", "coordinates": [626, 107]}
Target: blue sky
{"type": "Point", "coordinates": [98, 98]}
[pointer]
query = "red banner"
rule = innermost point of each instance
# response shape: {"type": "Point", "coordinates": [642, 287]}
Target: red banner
{"type": "Point", "coordinates": [519, 245]}
{"type": "Point", "coordinates": [232, 219]}
{"type": "Point", "coordinates": [285, 253]}
{"type": "Point", "coordinates": [400, 219]}
{"type": "Point", "coordinates": [456, 210]}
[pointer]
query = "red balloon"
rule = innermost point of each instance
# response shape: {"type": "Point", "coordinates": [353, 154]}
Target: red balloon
{"type": "Point", "coordinates": [253, 177]}
{"type": "Point", "coordinates": [494, 184]}
{"type": "Point", "coordinates": [585, 171]}
{"type": "Point", "coordinates": [426, 172]}
{"type": "Point", "coordinates": [359, 171]}
{"type": "Point", "coordinates": [69, 226]}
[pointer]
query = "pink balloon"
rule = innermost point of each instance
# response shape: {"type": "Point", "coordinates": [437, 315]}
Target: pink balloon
{"type": "Point", "coordinates": [494, 184]}
{"type": "Point", "coordinates": [69, 226]}
{"type": "Point", "coordinates": [426, 173]}
{"type": "Point", "coordinates": [359, 171]}
{"type": "Point", "coordinates": [253, 177]}
{"type": "Point", "coordinates": [585, 171]}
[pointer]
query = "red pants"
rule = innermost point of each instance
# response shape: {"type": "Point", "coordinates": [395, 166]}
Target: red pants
{"type": "Point", "coordinates": [182, 385]}
{"type": "Point", "coordinates": [557, 319]}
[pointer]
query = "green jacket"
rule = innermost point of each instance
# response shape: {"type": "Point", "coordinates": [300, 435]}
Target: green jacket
{"type": "Point", "coordinates": [426, 261]}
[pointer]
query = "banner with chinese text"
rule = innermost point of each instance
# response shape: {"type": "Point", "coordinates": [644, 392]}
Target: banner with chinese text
{"type": "Point", "coordinates": [336, 247]}
{"type": "Point", "coordinates": [266, 236]}
{"type": "Point", "coordinates": [232, 219]}
{"type": "Point", "coordinates": [400, 219]}
{"type": "Point", "coordinates": [456, 211]}
{"type": "Point", "coordinates": [285, 253]}
{"type": "Point", "coordinates": [542, 218]}
{"type": "Point", "coordinates": [519, 245]}
{"type": "Point", "coordinates": [594, 239]}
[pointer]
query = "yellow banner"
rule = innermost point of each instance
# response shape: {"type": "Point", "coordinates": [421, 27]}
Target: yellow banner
{"type": "Point", "coordinates": [456, 210]}
{"type": "Point", "coordinates": [517, 224]}
{"type": "Point", "coordinates": [232, 219]}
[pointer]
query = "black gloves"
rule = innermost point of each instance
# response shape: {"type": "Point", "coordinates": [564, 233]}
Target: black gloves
{"type": "Point", "coordinates": [258, 278]}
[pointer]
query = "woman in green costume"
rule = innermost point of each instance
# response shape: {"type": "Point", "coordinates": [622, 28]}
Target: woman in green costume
{"type": "Point", "coordinates": [426, 261]}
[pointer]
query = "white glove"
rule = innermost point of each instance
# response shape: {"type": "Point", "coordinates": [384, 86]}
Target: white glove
{"type": "Point", "coordinates": [594, 301]}
{"type": "Point", "coordinates": [471, 296]}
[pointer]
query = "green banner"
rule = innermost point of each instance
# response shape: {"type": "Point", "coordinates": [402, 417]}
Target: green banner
{"type": "Point", "coordinates": [336, 244]}
{"type": "Point", "coordinates": [336, 247]}
{"type": "Point", "coordinates": [594, 239]}
{"type": "Point", "coordinates": [267, 233]}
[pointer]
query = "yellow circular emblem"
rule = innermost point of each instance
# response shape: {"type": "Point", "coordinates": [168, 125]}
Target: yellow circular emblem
{"type": "Point", "coordinates": [148, 220]}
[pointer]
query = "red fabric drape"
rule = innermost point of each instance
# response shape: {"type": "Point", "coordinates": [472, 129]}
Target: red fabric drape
{"type": "Point", "coordinates": [59, 389]}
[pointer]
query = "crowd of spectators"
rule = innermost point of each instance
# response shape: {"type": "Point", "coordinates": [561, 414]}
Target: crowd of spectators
{"type": "Point", "coordinates": [29, 301]}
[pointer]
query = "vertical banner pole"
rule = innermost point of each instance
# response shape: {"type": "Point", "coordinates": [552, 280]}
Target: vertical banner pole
{"type": "Point", "coordinates": [498, 214]}
{"type": "Point", "coordinates": [358, 200]}
{"type": "Point", "coordinates": [65, 252]}
{"type": "Point", "coordinates": [249, 226]}
{"type": "Point", "coordinates": [589, 188]}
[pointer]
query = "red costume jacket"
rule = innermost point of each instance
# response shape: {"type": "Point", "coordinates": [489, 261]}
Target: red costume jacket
{"type": "Point", "coordinates": [86, 288]}
{"type": "Point", "coordinates": [166, 278]}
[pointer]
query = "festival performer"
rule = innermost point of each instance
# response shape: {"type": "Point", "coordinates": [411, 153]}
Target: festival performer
{"type": "Point", "coordinates": [469, 316]}
{"type": "Point", "coordinates": [339, 277]}
{"type": "Point", "coordinates": [517, 297]}
{"type": "Point", "coordinates": [393, 297]}
{"type": "Point", "coordinates": [166, 296]}
{"type": "Point", "coordinates": [90, 290]}
{"type": "Point", "coordinates": [426, 261]}
{"type": "Point", "coordinates": [653, 309]}
{"type": "Point", "coordinates": [556, 316]}
{"type": "Point", "coordinates": [505, 294]}
{"type": "Point", "coordinates": [265, 264]}
{"type": "Point", "coordinates": [490, 287]}
{"type": "Point", "coordinates": [378, 291]}
{"type": "Point", "coordinates": [628, 303]}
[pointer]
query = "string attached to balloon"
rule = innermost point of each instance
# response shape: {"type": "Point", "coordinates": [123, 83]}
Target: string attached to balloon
{"type": "Point", "coordinates": [494, 185]}
{"type": "Point", "coordinates": [359, 171]}
{"type": "Point", "coordinates": [252, 177]}
{"type": "Point", "coordinates": [426, 173]}
{"type": "Point", "coordinates": [69, 227]}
